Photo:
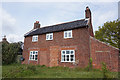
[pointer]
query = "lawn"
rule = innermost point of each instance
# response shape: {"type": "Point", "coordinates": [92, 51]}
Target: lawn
{"type": "Point", "coordinates": [32, 71]}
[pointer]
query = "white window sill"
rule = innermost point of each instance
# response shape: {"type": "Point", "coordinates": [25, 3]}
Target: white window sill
{"type": "Point", "coordinates": [33, 60]}
{"type": "Point", "coordinates": [34, 41]}
{"type": "Point", "coordinates": [67, 61]}
{"type": "Point", "coordinates": [49, 39]}
{"type": "Point", "coordinates": [68, 37]}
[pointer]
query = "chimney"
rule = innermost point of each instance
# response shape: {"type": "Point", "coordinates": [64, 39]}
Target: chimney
{"type": "Point", "coordinates": [36, 25]}
{"type": "Point", "coordinates": [4, 39]}
{"type": "Point", "coordinates": [88, 13]}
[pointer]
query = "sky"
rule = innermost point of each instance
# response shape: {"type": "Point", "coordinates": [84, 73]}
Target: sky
{"type": "Point", "coordinates": [18, 17]}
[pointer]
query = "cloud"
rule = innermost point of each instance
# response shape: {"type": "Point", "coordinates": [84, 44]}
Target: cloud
{"type": "Point", "coordinates": [15, 37]}
{"type": "Point", "coordinates": [9, 26]}
{"type": "Point", "coordinates": [8, 22]}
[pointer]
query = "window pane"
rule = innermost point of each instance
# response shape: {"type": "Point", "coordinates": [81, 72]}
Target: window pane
{"type": "Point", "coordinates": [50, 36]}
{"type": "Point", "coordinates": [64, 58]}
{"type": "Point", "coordinates": [72, 56]}
{"type": "Point", "coordinates": [63, 52]}
{"type": "Point", "coordinates": [33, 52]}
{"type": "Point", "coordinates": [67, 52]}
{"type": "Point", "coordinates": [71, 52]}
{"type": "Point", "coordinates": [30, 53]}
{"type": "Point", "coordinates": [33, 57]}
{"type": "Point", "coordinates": [65, 34]}
{"type": "Point", "coordinates": [70, 34]}
{"type": "Point", "coordinates": [36, 38]}
{"type": "Point", "coordinates": [36, 52]}
{"type": "Point", "coordinates": [30, 56]}
{"type": "Point", "coordinates": [47, 36]}
{"type": "Point", "coordinates": [67, 57]}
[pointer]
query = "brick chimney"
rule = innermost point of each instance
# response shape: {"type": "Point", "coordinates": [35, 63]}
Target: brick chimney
{"type": "Point", "coordinates": [88, 15]}
{"type": "Point", "coordinates": [36, 25]}
{"type": "Point", "coordinates": [4, 39]}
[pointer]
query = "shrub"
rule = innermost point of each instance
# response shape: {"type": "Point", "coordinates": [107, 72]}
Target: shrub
{"type": "Point", "coordinates": [104, 70]}
{"type": "Point", "coordinates": [9, 52]}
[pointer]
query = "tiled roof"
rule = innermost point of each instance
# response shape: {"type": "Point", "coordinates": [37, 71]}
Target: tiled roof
{"type": "Point", "coordinates": [59, 27]}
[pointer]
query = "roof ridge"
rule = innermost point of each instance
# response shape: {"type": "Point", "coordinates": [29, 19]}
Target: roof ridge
{"type": "Point", "coordinates": [61, 23]}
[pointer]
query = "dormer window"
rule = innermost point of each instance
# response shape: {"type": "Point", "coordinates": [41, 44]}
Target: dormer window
{"type": "Point", "coordinates": [35, 38]}
{"type": "Point", "coordinates": [68, 34]}
{"type": "Point", "coordinates": [49, 36]}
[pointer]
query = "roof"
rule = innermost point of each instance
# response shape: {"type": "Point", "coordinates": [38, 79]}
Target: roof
{"type": "Point", "coordinates": [59, 27]}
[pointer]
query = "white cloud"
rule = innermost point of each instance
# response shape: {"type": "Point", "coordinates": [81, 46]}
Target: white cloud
{"type": "Point", "coordinates": [9, 26]}
{"type": "Point", "coordinates": [15, 37]}
{"type": "Point", "coordinates": [8, 22]}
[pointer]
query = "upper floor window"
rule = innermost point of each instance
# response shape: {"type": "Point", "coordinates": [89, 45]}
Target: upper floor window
{"type": "Point", "coordinates": [67, 56]}
{"type": "Point", "coordinates": [49, 36]}
{"type": "Point", "coordinates": [35, 38]}
{"type": "Point", "coordinates": [33, 55]}
{"type": "Point", "coordinates": [68, 34]}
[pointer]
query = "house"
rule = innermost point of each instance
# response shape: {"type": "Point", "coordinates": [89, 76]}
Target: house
{"type": "Point", "coordinates": [69, 44]}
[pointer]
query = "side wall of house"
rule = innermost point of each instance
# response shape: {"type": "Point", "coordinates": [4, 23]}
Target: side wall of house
{"type": "Point", "coordinates": [101, 52]}
{"type": "Point", "coordinates": [49, 52]}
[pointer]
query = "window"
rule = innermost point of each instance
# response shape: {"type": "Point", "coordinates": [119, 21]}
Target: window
{"type": "Point", "coordinates": [35, 38]}
{"type": "Point", "coordinates": [68, 34]}
{"type": "Point", "coordinates": [49, 36]}
{"type": "Point", "coordinates": [33, 55]}
{"type": "Point", "coordinates": [67, 56]}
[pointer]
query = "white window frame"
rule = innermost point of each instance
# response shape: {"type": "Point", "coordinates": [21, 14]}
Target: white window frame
{"type": "Point", "coordinates": [31, 55]}
{"type": "Point", "coordinates": [48, 36]}
{"type": "Point", "coordinates": [35, 38]}
{"type": "Point", "coordinates": [66, 34]}
{"type": "Point", "coordinates": [64, 56]}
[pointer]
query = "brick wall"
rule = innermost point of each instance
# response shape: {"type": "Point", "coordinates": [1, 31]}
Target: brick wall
{"type": "Point", "coordinates": [101, 52]}
{"type": "Point", "coordinates": [49, 52]}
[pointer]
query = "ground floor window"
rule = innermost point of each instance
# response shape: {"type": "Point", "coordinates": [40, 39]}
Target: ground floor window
{"type": "Point", "coordinates": [67, 56]}
{"type": "Point", "coordinates": [33, 55]}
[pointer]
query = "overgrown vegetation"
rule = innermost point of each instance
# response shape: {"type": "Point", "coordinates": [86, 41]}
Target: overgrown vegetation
{"type": "Point", "coordinates": [37, 71]}
{"type": "Point", "coordinates": [104, 70]}
{"type": "Point", "coordinates": [89, 67]}
{"type": "Point", "coordinates": [9, 52]}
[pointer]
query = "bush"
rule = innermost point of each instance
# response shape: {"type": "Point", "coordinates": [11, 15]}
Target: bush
{"type": "Point", "coordinates": [9, 52]}
{"type": "Point", "coordinates": [104, 70]}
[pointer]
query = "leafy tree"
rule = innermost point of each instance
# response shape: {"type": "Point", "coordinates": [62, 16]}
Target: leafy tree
{"type": "Point", "coordinates": [9, 52]}
{"type": "Point", "coordinates": [109, 33]}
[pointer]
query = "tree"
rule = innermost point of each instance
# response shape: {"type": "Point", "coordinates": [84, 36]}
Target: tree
{"type": "Point", "coordinates": [9, 52]}
{"type": "Point", "coordinates": [109, 33]}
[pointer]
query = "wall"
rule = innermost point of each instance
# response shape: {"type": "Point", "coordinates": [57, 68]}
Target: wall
{"type": "Point", "coordinates": [101, 52]}
{"type": "Point", "coordinates": [49, 52]}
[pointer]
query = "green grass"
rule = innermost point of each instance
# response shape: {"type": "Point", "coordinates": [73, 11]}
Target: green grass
{"type": "Point", "coordinates": [32, 71]}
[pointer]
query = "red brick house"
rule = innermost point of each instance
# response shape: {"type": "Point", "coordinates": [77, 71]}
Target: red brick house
{"type": "Point", "coordinates": [69, 44]}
